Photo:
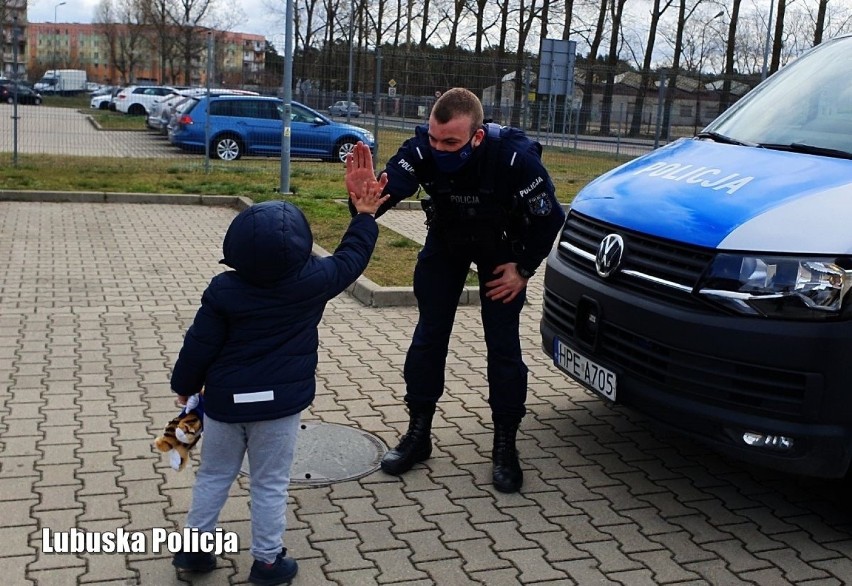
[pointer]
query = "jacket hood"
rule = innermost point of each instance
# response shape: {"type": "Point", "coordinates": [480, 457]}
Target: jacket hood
{"type": "Point", "coordinates": [267, 241]}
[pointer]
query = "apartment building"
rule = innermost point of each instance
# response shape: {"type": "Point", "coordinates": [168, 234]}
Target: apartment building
{"type": "Point", "coordinates": [238, 58]}
{"type": "Point", "coordinates": [13, 21]}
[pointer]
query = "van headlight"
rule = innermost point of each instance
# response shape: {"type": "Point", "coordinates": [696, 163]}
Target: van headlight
{"type": "Point", "coordinates": [771, 286]}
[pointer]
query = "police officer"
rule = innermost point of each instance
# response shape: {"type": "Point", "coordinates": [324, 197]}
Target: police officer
{"type": "Point", "coordinates": [490, 201]}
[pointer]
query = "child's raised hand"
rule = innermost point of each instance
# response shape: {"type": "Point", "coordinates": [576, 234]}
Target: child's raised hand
{"type": "Point", "coordinates": [367, 196]}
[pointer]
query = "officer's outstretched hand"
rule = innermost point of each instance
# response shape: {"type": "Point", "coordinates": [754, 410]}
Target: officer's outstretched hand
{"type": "Point", "coordinates": [365, 192]}
{"type": "Point", "coordinates": [507, 285]}
{"type": "Point", "coordinates": [359, 169]}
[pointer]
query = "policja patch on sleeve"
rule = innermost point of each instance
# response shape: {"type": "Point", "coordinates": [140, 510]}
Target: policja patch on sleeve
{"type": "Point", "coordinates": [540, 204]}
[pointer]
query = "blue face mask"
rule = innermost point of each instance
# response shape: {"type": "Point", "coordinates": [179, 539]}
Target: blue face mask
{"type": "Point", "coordinates": [452, 161]}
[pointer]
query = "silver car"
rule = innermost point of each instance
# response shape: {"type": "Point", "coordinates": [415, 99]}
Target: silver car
{"type": "Point", "coordinates": [164, 109]}
{"type": "Point", "coordinates": [340, 108]}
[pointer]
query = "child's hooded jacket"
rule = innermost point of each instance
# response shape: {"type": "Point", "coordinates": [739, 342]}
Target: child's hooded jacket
{"type": "Point", "coordinates": [253, 344]}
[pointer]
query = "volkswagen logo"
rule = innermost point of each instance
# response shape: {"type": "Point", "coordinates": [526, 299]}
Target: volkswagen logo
{"type": "Point", "coordinates": [609, 255]}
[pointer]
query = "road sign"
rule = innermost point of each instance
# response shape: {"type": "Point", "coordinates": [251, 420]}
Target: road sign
{"type": "Point", "coordinates": [391, 91]}
{"type": "Point", "coordinates": [392, 83]}
{"type": "Point", "coordinates": [556, 69]}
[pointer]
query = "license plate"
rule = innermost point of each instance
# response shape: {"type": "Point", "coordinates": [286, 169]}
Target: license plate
{"type": "Point", "coordinates": [586, 371]}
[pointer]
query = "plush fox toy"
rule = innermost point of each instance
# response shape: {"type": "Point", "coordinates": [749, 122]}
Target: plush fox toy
{"type": "Point", "coordinates": [182, 433]}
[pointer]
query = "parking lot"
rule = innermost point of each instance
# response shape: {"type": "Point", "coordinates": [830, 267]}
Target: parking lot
{"type": "Point", "coordinates": [65, 131]}
{"type": "Point", "coordinates": [94, 300]}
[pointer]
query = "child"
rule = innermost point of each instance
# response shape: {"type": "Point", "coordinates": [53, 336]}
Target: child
{"type": "Point", "coordinates": [253, 348]}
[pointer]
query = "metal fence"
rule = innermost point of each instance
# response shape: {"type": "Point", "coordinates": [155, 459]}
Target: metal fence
{"type": "Point", "coordinates": [619, 114]}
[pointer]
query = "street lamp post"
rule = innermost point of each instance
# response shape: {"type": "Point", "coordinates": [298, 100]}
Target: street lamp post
{"type": "Point", "coordinates": [766, 44]}
{"type": "Point", "coordinates": [287, 99]}
{"type": "Point", "coordinates": [351, 39]}
{"type": "Point", "coordinates": [16, 31]}
{"type": "Point", "coordinates": [56, 35]}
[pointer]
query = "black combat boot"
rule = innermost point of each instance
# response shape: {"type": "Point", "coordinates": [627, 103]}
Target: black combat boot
{"type": "Point", "coordinates": [416, 445]}
{"type": "Point", "coordinates": [507, 475]}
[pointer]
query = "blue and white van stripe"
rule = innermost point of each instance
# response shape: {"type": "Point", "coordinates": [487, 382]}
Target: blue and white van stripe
{"type": "Point", "coordinates": [727, 196]}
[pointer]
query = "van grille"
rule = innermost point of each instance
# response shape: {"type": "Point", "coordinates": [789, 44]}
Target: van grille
{"type": "Point", "coordinates": [660, 260]}
{"type": "Point", "coordinates": [709, 379]}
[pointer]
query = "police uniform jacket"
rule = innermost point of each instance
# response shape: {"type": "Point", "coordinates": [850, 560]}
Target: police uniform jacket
{"type": "Point", "coordinates": [505, 181]}
{"type": "Point", "coordinates": [253, 343]}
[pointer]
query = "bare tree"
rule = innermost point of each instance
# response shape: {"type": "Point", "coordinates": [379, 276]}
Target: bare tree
{"type": "Point", "coordinates": [820, 22]}
{"type": "Point", "coordinates": [458, 8]}
{"type": "Point", "coordinates": [424, 23]}
{"type": "Point", "coordinates": [591, 69]}
{"type": "Point", "coordinates": [122, 24]}
{"type": "Point", "coordinates": [189, 18]}
{"type": "Point", "coordinates": [527, 15]}
{"type": "Point", "coordinates": [830, 20]}
{"type": "Point", "coordinates": [657, 11]}
{"type": "Point", "coordinates": [751, 45]}
{"type": "Point", "coordinates": [671, 88]}
{"type": "Point", "coordinates": [616, 12]}
{"type": "Point", "coordinates": [162, 32]}
{"type": "Point", "coordinates": [480, 25]}
{"type": "Point", "coordinates": [566, 23]}
{"type": "Point", "coordinates": [778, 41]}
{"type": "Point", "coordinates": [725, 94]}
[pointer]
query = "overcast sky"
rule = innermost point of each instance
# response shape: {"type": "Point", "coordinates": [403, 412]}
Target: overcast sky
{"type": "Point", "coordinates": [256, 18]}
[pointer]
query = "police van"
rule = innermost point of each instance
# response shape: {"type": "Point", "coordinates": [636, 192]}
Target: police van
{"type": "Point", "coordinates": [706, 284]}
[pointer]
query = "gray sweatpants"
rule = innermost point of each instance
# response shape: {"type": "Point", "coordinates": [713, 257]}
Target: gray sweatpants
{"type": "Point", "coordinates": [271, 446]}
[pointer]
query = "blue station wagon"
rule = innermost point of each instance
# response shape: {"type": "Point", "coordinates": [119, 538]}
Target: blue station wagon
{"type": "Point", "coordinates": [251, 125]}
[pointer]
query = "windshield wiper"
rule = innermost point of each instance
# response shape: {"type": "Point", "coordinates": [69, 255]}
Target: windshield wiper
{"type": "Point", "coordinates": [798, 147]}
{"type": "Point", "coordinates": [716, 137]}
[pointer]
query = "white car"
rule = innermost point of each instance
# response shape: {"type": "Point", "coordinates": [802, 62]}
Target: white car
{"type": "Point", "coordinates": [136, 100]}
{"type": "Point", "coordinates": [102, 100]}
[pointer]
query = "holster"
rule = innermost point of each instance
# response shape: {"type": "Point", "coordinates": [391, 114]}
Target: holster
{"type": "Point", "coordinates": [429, 209]}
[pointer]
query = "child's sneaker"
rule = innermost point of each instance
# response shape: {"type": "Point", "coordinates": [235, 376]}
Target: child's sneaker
{"type": "Point", "coordinates": [194, 561]}
{"type": "Point", "coordinates": [281, 571]}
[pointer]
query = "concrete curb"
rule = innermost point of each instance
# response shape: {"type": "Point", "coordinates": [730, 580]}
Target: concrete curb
{"type": "Point", "coordinates": [364, 290]}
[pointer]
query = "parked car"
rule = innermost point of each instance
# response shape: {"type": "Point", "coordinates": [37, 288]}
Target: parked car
{"type": "Point", "coordinates": [708, 284]}
{"type": "Point", "coordinates": [136, 100]}
{"type": "Point", "coordinates": [160, 111]}
{"type": "Point", "coordinates": [340, 108]}
{"type": "Point", "coordinates": [163, 109]}
{"type": "Point", "coordinates": [177, 111]}
{"type": "Point", "coordinates": [26, 94]}
{"type": "Point", "coordinates": [104, 98]}
{"type": "Point", "coordinates": [251, 125]}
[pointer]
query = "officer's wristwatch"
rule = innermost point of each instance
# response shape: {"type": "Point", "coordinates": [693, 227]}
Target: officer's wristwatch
{"type": "Point", "coordinates": [524, 272]}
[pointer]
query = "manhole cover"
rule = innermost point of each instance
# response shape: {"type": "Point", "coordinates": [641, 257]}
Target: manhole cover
{"type": "Point", "coordinates": [329, 452]}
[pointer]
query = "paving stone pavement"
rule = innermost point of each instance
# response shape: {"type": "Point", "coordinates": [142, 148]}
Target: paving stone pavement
{"type": "Point", "coordinates": [94, 301]}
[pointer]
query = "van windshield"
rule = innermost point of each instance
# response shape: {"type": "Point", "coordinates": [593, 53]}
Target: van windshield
{"type": "Point", "coordinates": [808, 102]}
